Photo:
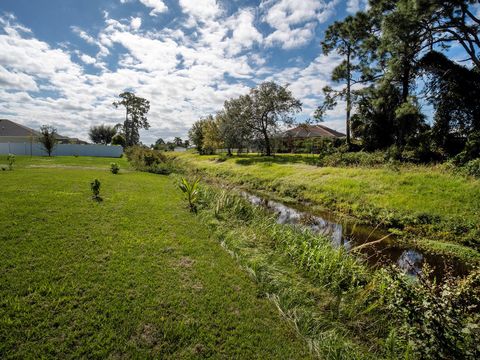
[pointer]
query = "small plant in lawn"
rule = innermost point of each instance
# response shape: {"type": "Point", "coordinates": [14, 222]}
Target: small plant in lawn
{"type": "Point", "coordinates": [191, 191]}
{"type": "Point", "coordinates": [114, 168]}
{"type": "Point", "coordinates": [11, 161]}
{"type": "Point", "coordinates": [95, 187]}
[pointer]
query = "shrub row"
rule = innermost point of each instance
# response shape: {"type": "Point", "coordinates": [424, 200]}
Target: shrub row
{"type": "Point", "coordinates": [145, 159]}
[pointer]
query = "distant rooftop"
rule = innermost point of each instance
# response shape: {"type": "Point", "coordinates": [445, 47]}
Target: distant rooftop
{"type": "Point", "coordinates": [312, 131]}
{"type": "Point", "coordinates": [10, 128]}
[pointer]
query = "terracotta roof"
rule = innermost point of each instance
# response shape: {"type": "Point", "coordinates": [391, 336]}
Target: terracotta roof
{"type": "Point", "coordinates": [310, 131]}
{"type": "Point", "coordinates": [9, 128]}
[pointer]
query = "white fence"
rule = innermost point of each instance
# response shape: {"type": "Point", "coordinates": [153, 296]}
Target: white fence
{"type": "Point", "coordinates": [37, 149]}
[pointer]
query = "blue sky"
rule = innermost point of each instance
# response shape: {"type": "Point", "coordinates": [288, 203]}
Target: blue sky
{"type": "Point", "coordinates": [62, 62]}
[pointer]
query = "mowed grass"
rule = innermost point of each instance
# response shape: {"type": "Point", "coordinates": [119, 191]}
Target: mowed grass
{"type": "Point", "coordinates": [409, 191]}
{"type": "Point", "coordinates": [134, 276]}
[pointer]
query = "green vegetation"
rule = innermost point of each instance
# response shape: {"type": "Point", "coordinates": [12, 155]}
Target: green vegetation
{"type": "Point", "coordinates": [421, 202]}
{"type": "Point", "coordinates": [145, 159]}
{"type": "Point", "coordinates": [342, 309]}
{"type": "Point", "coordinates": [136, 109]}
{"type": "Point", "coordinates": [102, 134]}
{"type": "Point", "coordinates": [11, 161]}
{"type": "Point", "coordinates": [114, 168]}
{"type": "Point", "coordinates": [134, 276]}
{"type": "Point", "coordinates": [95, 187]}
{"type": "Point", "coordinates": [48, 138]}
{"type": "Point", "coordinates": [190, 189]}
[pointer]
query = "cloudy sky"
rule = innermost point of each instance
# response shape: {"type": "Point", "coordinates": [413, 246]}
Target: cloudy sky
{"type": "Point", "coordinates": [63, 62]}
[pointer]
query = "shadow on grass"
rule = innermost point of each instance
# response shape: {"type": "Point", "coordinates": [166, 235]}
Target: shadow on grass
{"type": "Point", "coordinates": [276, 159]}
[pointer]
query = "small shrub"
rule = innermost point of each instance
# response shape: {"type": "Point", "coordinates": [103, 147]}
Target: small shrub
{"type": "Point", "coordinates": [144, 159]}
{"type": "Point", "coordinates": [95, 187]}
{"type": "Point", "coordinates": [11, 161]}
{"type": "Point", "coordinates": [161, 169]}
{"type": "Point", "coordinates": [114, 168]}
{"type": "Point", "coordinates": [439, 320]}
{"type": "Point", "coordinates": [191, 191]}
{"type": "Point", "coordinates": [472, 168]}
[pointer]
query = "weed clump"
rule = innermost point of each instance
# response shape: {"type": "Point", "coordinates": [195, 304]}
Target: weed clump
{"type": "Point", "coordinates": [95, 188]}
{"type": "Point", "coordinates": [11, 161]}
{"type": "Point", "coordinates": [114, 168]}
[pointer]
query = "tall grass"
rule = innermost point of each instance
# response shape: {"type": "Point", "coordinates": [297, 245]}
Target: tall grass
{"type": "Point", "coordinates": [321, 291]}
{"type": "Point", "coordinates": [341, 308]}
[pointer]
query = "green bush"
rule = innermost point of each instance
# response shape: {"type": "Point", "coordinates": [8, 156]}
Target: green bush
{"type": "Point", "coordinates": [11, 161]}
{"type": "Point", "coordinates": [114, 168]}
{"type": "Point", "coordinates": [472, 168]}
{"type": "Point", "coordinates": [440, 321]}
{"type": "Point", "coordinates": [95, 187]}
{"type": "Point", "coordinates": [145, 159]}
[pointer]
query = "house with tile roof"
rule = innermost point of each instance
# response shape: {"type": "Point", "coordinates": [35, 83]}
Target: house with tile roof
{"type": "Point", "coordinates": [305, 138]}
{"type": "Point", "coordinates": [312, 131]}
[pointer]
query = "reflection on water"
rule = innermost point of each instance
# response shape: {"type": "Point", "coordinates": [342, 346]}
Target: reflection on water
{"type": "Point", "coordinates": [409, 260]}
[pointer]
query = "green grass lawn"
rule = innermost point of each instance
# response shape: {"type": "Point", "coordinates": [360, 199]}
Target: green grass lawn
{"type": "Point", "coordinates": [134, 276]}
{"type": "Point", "coordinates": [376, 195]}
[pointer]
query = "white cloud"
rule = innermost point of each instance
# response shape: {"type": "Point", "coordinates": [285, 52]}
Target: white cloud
{"type": "Point", "coordinates": [294, 21]}
{"type": "Point", "coordinates": [16, 81]}
{"type": "Point", "coordinates": [83, 35]}
{"type": "Point", "coordinates": [292, 38]}
{"type": "Point", "coordinates": [200, 9]}
{"type": "Point", "coordinates": [136, 23]}
{"type": "Point", "coordinates": [354, 6]}
{"type": "Point", "coordinates": [157, 6]}
{"type": "Point", "coordinates": [244, 32]}
{"type": "Point", "coordinates": [87, 59]}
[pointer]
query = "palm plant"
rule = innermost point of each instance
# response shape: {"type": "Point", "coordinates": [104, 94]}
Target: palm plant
{"type": "Point", "coordinates": [191, 191]}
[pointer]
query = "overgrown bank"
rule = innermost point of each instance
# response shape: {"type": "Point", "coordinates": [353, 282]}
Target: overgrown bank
{"type": "Point", "coordinates": [342, 309]}
{"type": "Point", "coordinates": [433, 208]}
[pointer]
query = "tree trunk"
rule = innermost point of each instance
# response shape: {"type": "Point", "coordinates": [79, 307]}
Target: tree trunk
{"type": "Point", "coordinates": [125, 128]}
{"type": "Point", "coordinates": [267, 144]}
{"type": "Point", "coordinates": [405, 79]}
{"type": "Point", "coordinates": [349, 98]}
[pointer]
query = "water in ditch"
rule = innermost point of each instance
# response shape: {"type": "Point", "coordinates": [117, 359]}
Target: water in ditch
{"type": "Point", "coordinates": [381, 253]}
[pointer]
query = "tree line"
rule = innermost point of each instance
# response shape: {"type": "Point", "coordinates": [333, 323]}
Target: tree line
{"type": "Point", "coordinates": [249, 119]}
{"type": "Point", "coordinates": [396, 57]}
